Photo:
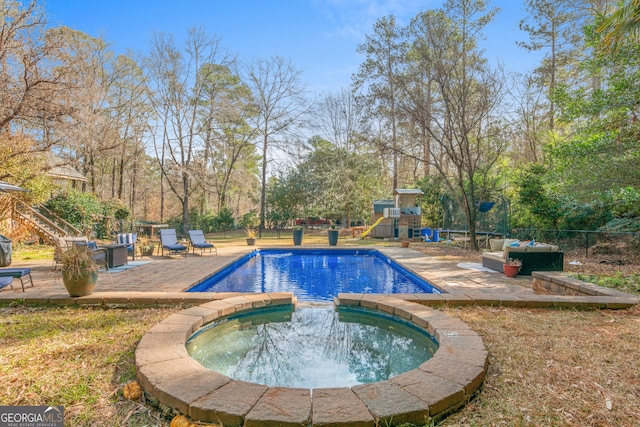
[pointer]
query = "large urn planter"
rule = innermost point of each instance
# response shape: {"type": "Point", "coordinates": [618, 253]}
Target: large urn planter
{"type": "Point", "coordinates": [251, 236]}
{"type": "Point", "coordinates": [147, 250]}
{"type": "Point", "coordinates": [333, 237]}
{"type": "Point", "coordinates": [79, 285]}
{"type": "Point", "coordinates": [297, 236]}
{"type": "Point", "coordinates": [79, 270]}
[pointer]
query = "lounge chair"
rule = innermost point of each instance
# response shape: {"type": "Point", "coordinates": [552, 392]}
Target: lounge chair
{"type": "Point", "coordinates": [129, 239]}
{"type": "Point", "coordinates": [169, 241]}
{"type": "Point", "coordinates": [198, 241]}
{"type": "Point", "coordinates": [17, 273]}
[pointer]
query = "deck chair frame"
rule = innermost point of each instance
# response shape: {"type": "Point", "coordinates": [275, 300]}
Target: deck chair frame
{"type": "Point", "coordinates": [169, 241]}
{"type": "Point", "coordinates": [198, 241]}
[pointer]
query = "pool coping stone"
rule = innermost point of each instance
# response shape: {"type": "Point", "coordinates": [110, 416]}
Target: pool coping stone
{"type": "Point", "coordinates": [437, 387]}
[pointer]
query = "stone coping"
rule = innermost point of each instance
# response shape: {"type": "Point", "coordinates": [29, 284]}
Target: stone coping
{"type": "Point", "coordinates": [560, 284]}
{"type": "Point", "coordinates": [436, 388]}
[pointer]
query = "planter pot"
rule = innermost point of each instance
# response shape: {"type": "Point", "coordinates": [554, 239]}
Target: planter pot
{"type": "Point", "coordinates": [297, 237]}
{"type": "Point", "coordinates": [333, 237]}
{"type": "Point", "coordinates": [511, 270]}
{"type": "Point", "coordinates": [405, 244]}
{"type": "Point", "coordinates": [251, 242]}
{"type": "Point", "coordinates": [81, 285]}
{"type": "Point", "coordinates": [147, 252]}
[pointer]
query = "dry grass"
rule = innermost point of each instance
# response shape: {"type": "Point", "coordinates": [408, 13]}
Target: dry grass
{"type": "Point", "coordinates": [555, 368]}
{"type": "Point", "coordinates": [79, 358]}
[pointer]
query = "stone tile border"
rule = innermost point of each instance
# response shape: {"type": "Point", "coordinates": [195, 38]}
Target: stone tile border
{"type": "Point", "coordinates": [438, 387]}
{"type": "Point", "coordinates": [545, 283]}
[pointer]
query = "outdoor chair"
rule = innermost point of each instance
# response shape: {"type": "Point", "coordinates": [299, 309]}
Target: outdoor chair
{"type": "Point", "coordinates": [169, 241]}
{"type": "Point", "coordinates": [17, 273]}
{"type": "Point", "coordinates": [425, 234]}
{"type": "Point", "coordinates": [99, 255]}
{"type": "Point", "coordinates": [6, 281]}
{"type": "Point", "coordinates": [198, 241]}
{"type": "Point", "coordinates": [130, 240]}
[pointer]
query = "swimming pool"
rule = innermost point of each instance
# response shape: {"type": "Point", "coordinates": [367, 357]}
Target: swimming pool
{"type": "Point", "coordinates": [316, 274]}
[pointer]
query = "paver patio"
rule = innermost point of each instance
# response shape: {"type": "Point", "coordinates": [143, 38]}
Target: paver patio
{"type": "Point", "coordinates": [164, 280]}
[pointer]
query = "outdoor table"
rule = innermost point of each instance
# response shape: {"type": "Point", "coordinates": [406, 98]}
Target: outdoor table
{"type": "Point", "coordinates": [116, 254]}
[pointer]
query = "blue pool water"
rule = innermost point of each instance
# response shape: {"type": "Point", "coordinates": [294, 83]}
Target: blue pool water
{"type": "Point", "coordinates": [316, 274]}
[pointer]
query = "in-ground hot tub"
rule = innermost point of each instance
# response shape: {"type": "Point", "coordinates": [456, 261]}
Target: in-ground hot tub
{"type": "Point", "coordinates": [438, 386]}
{"type": "Point", "coordinates": [312, 346]}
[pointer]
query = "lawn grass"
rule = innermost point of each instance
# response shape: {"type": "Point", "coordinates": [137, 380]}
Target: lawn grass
{"type": "Point", "coordinates": [24, 253]}
{"type": "Point", "coordinates": [625, 283]}
{"type": "Point", "coordinates": [79, 358]}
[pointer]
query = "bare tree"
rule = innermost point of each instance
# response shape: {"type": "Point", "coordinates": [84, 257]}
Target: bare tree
{"type": "Point", "coordinates": [176, 84]}
{"type": "Point", "coordinates": [228, 136]}
{"type": "Point", "coordinates": [31, 87]}
{"type": "Point", "coordinates": [91, 134]}
{"type": "Point", "coordinates": [278, 104]}
{"type": "Point", "coordinates": [466, 126]}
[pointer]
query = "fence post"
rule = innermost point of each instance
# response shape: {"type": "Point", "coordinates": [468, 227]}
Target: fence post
{"type": "Point", "coordinates": [587, 248]}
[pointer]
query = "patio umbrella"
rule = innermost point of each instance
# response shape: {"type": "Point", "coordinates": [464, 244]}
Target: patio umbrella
{"type": "Point", "coordinates": [6, 187]}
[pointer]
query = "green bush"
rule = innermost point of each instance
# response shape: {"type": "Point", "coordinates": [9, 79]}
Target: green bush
{"type": "Point", "coordinates": [88, 213]}
{"type": "Point", "coordinates": [249, 220]}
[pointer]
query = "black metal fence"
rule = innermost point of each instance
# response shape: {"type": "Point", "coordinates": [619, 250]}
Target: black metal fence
{"type": "Point", "coordinates": [588, 240]}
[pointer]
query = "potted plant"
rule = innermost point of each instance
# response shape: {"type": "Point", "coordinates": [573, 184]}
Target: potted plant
{"type": "Point", "coordinates": [79, 270]}
{"type": "Point", "coordinates": [405, 243]}
{"type": "Point", "coordinates": [512, 267]}
{"type": "Point", "coordinates": [333, 235]}
{"type": "Point", "coordinates": [298, 232]}
{"type": "Point", "coordinates": [146, 246]}
{"type": "Point", "coordinates": [251, 236]}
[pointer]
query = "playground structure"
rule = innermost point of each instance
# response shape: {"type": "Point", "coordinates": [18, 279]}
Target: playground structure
{"type": "Point", "coordinates": [399, 218]}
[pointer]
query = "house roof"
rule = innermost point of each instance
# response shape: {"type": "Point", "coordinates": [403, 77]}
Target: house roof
{"type": "Point", "coordinates": [61, 170]}
{"type": "Point", "coordinates": [410, 191]}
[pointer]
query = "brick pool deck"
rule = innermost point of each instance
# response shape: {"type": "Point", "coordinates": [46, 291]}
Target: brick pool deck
{"type": "Point", "coordinates": [164, 279]}
{"type": "Point", "coordinates": [435, 389]}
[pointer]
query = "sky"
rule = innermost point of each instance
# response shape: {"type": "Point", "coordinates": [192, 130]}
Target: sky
{"type": "Point", "coordinates": [320, 37]}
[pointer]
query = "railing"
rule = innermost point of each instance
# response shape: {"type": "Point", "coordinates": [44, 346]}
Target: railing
{"type": "Point", "coordinates": [51, 228]}
{"type": "Point", "coordinates": [575, 239]}
{"type": "Point", "coordinates": [67, 227]}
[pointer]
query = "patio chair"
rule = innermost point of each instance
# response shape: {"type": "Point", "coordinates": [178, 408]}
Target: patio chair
{"type": "Point", "coordinates": [169, 241]}
{"type": "Point", "coordinates": [198, 241]}
{"type": "Point", "coordinates": [17, 273]}
{"type": "Point", "coordinates": [99, 255]}
{"type": "Point", "coordinates": [129, 239]}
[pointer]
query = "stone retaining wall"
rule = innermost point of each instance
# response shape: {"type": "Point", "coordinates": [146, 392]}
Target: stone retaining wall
{"type": "Point", "coordinates": [439, 386]}
{"type": "Point", "coordinates": [549, 283]}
